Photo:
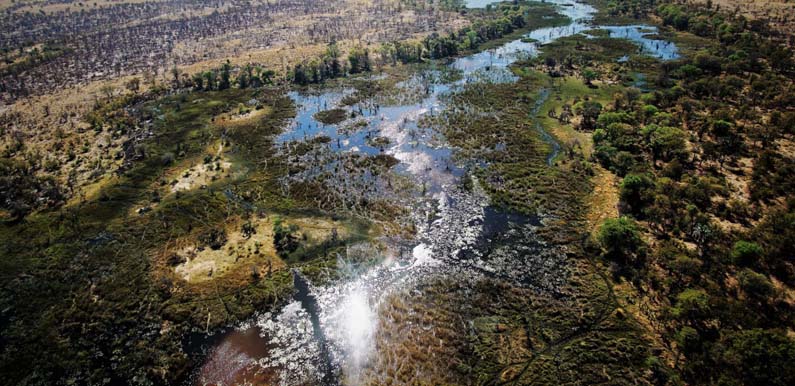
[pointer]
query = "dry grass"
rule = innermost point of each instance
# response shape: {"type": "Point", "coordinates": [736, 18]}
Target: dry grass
{"type": "Point", "coordinates": [780, 13]}
{"type": "Point", "coordinates": [203, 264]}
{"type": "Point", "coordinates": [240, 253]}
{"type": "Point", "coordinates": [603, 201]}
{"type": "Point", "coordinates": [41, 6]}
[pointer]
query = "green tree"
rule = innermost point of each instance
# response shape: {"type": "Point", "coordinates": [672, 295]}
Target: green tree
{"type": "Point", "coordinates": [636, 192]}
{"type": "Point", "coordinates": [210, 80]}
{"type": "Point", "coordinates": [589, 76]}
{"type": "Point", "coordinates": [746, 253]}
{"type": "Point", "coordinates": [284, 239]}
{"type": "Point", "coordinates": [760, 357]}
{"type": "Point", "coordinates": [359, 59]}
{"type": "Point", "coordinates": [668, 143]}
{"type": "Point", "coordinates": [590, 111]}
{"type": "Point", "coordinates": [333, 59]}
{"type": "Point", "coordinates": [225, 76]}
{"type": "Point", "coordinates": [755, 284]}
{"type": "Point", "coordinates": [692, 305]}
{"type": "Point", "coordinates": [621, 240]}
{"type": "Point", "coordinates": [198, 81]}
{"type": "Point", "coordinates": [688, 339]}
{"type": "Point", "coordinates": [267, 76]}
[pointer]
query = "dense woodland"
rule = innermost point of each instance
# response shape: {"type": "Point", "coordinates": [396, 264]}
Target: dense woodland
{"type": "Point", "coordinates": [716, 255]}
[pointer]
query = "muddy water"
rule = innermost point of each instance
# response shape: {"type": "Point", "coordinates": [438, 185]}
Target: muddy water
{"type": "Point", "coordinates": [234, 360]}
{"type": "Point", "coordinates": [326, 335]}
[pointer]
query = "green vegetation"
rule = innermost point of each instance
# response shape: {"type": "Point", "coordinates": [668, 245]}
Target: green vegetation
{"type": "Point", "coordinates": [701, 254]}
{"type": "Point", "coordinates": [531, 337]}
{"type": "Point", "coordinates": [716, 259]}
{"type": "Point", "coordinates": [22, 191]}
{"type": "Point", "coordinates": [17, 62]}
{"type": "Point", "coordinates": [718, 117]}
{"type": "Point", "coordinates": [89, 291]}
{"type": "Point", "coordinates": [621, 240]}
{"type": "Point", "coordinates": [505, 20]}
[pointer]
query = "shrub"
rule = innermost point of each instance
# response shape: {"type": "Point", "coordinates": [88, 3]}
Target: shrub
{"type": "Point", "coordinates": [755, 284]}
{"type": "Point", "coordinates": [214, 238]}
{"type": "Point", "coordinates": [688, 339]}
{"type": "Point", "coordinates": [284, 239]}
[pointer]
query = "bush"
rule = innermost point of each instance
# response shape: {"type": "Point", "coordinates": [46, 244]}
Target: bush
{"type": "Point", "coordinates": [284, 239]}
{"type": "Point", "coordinates": [755, 284]}
{"type": "Point", "coordinates": [746, 253]}
{"type": "Point", "coordinates": [686, 265]}
{"type": "Point", "coordinates": [688, 339]}
{"type": "Point", "coordinates": [214, 238]}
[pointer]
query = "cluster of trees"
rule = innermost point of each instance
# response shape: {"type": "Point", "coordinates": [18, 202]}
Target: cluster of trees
{"type": "Point", "coordinates": [676, 150]}
{"type": "Point", "coordinates": [285, 240]}
{"type": "Point", "coordinates": [434, 46]}
{"type": "Point", "coordinates": [22, 191]}
{"type": "Point", "coordinates": [636, 9]}
{"type": "Point", "coordinates": [227, 76]}
{"type": "Point", "coordinates": [437, 46]}
{"type": "Point", "coordinates": [331, 65]}
{"type": "Point", "coordinates": [733, 30]}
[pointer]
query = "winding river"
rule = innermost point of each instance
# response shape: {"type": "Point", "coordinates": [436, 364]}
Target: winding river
{"type": "Point", "coordinates": [326, 334]}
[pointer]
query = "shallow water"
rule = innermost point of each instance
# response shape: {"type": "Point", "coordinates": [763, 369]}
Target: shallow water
{"type": "Point", "coordinates": [642, 35]}
{"type": "Point", "coordinates": [326, 335]}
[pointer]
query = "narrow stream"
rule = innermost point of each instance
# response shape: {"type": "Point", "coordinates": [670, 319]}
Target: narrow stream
{"type": "Point", "coordinates": [326, 335]}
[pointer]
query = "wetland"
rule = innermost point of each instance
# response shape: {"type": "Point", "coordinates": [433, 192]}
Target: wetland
{"type": "Point", "coordinates": [556, 192]}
